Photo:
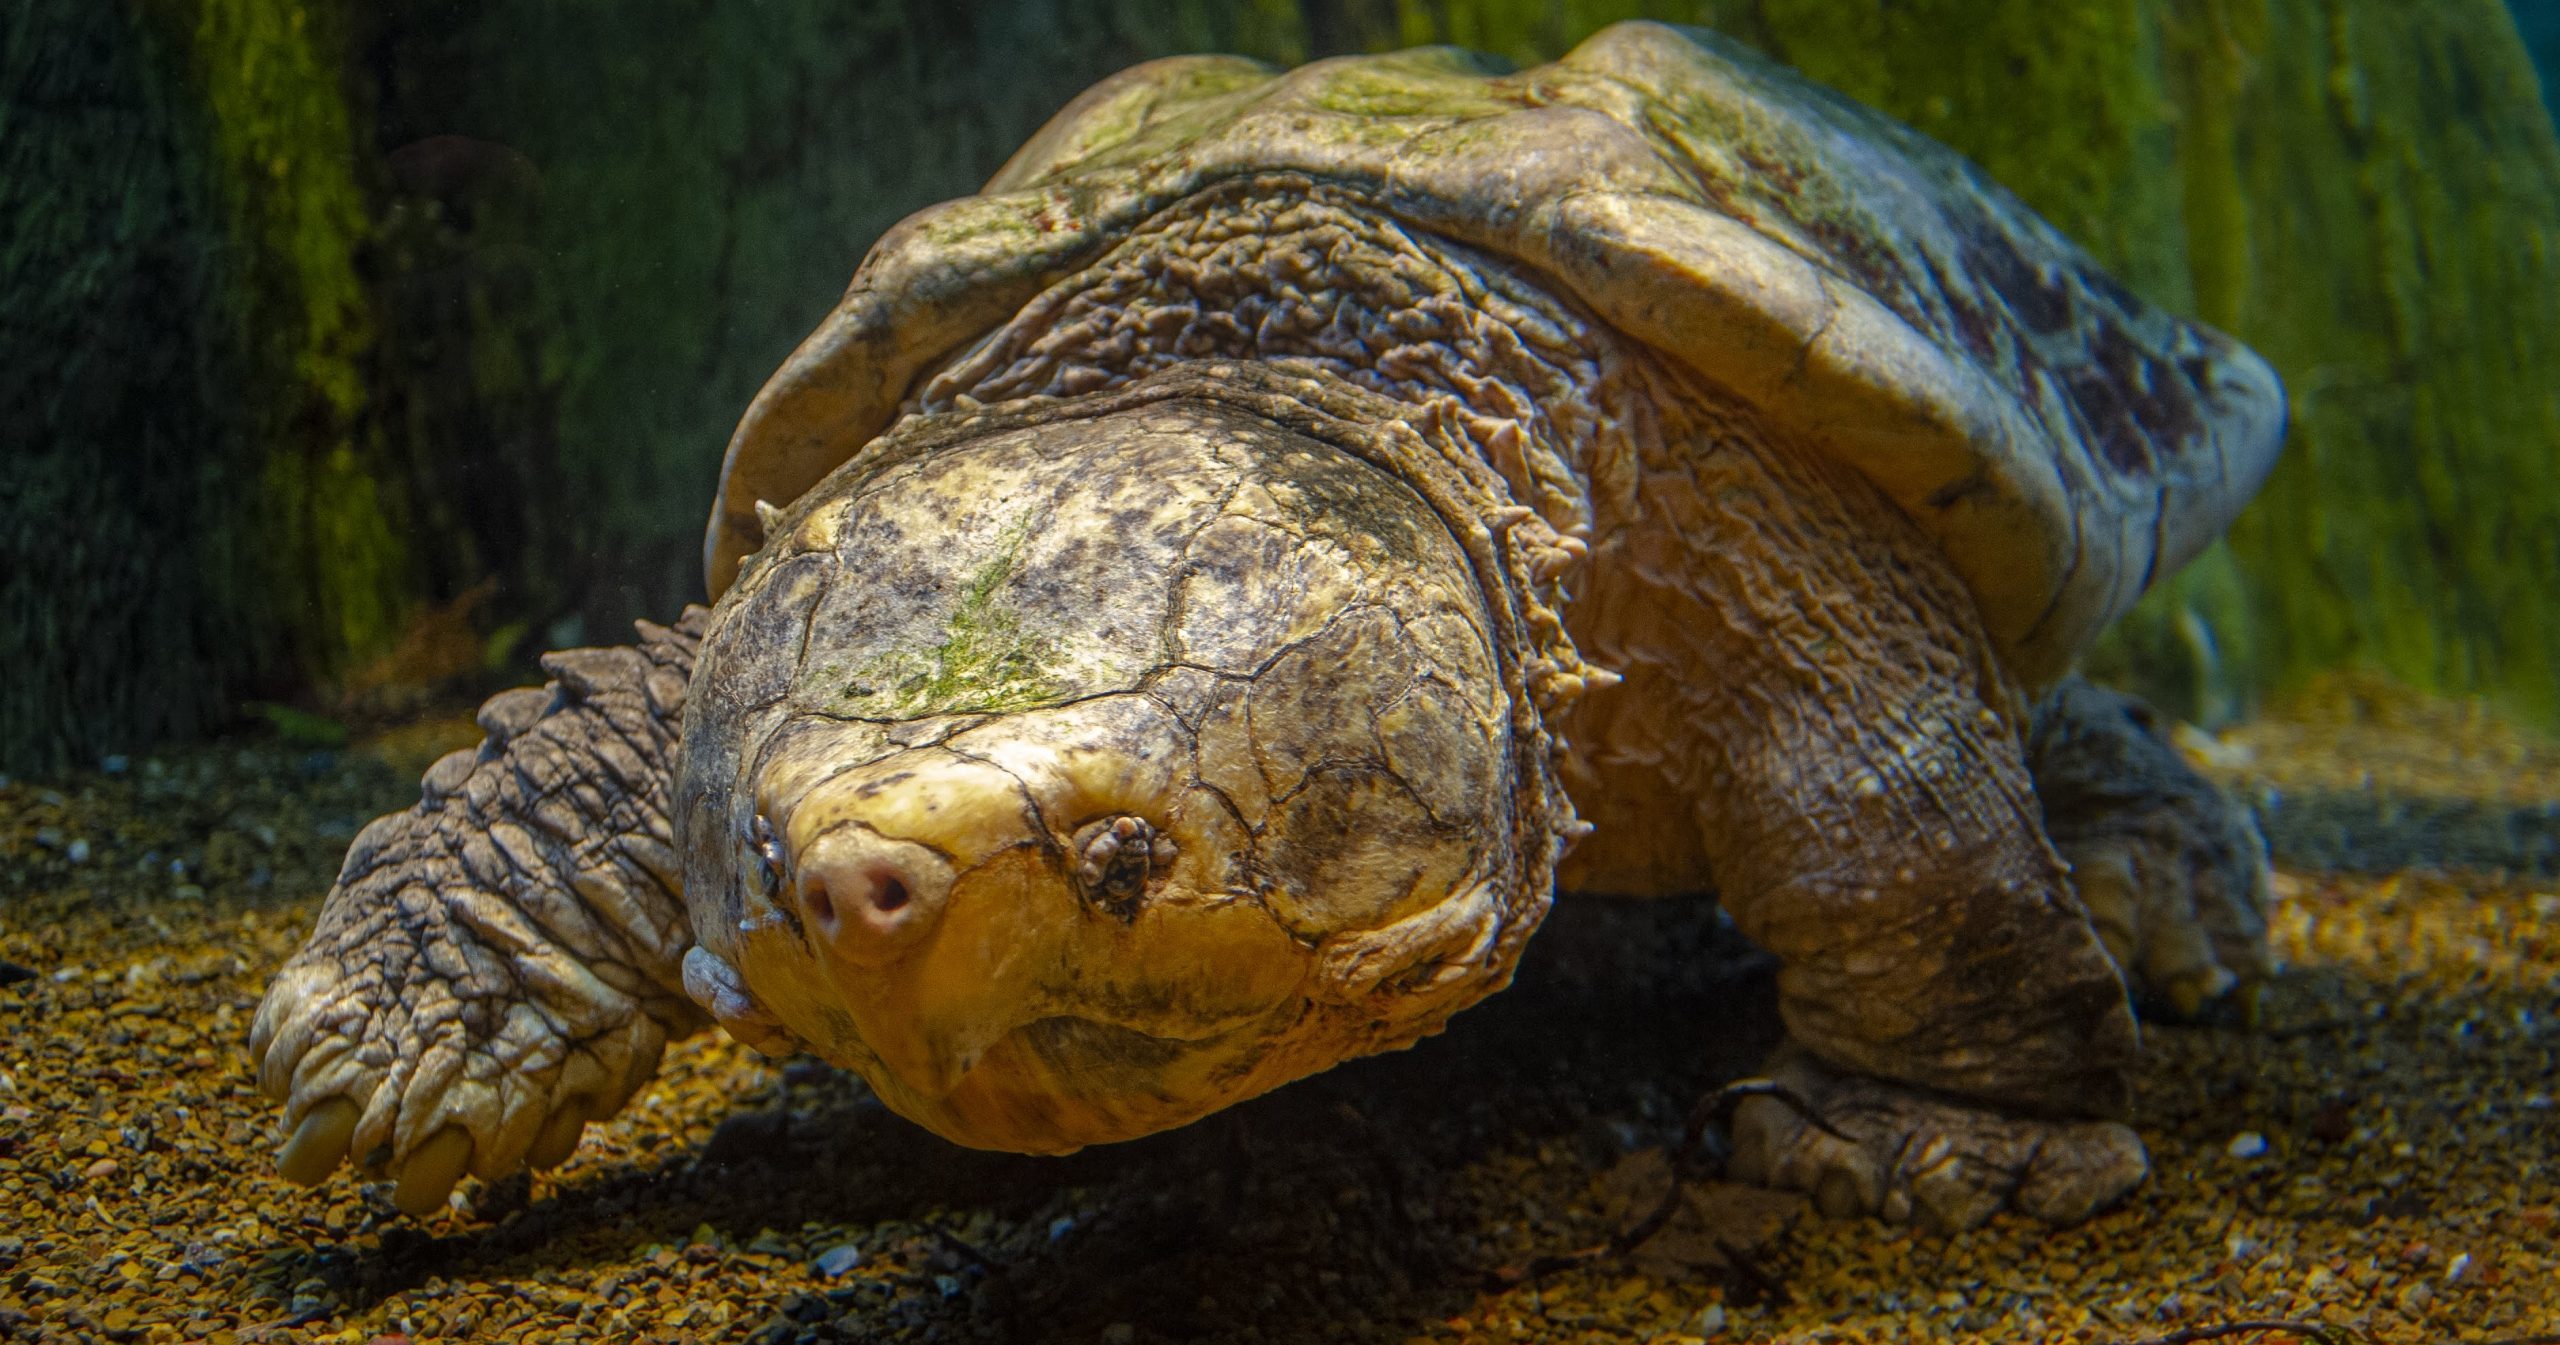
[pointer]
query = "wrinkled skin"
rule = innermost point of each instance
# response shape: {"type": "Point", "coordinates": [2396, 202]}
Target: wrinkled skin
{"type": "Point", "coordinates": [1175, 687]}
{"type": "Point", "coordinates": [1069, 824]}
{"type": "Point", "coordinates": [1050, 873]}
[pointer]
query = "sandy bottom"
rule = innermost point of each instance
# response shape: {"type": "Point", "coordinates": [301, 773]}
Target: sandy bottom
{"type": "Point", "coordinates": [2381, 1152]}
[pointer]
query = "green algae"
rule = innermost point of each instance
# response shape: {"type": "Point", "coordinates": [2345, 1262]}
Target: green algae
{"type": "Point", "coordinates": [282, 144]}
{"type": "Point", "coordinates": [988, 662]}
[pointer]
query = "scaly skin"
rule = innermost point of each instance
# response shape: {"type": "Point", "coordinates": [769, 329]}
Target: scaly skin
{"type": "Point", "coordinates": [895, 785]}
{"type": "Point", "coordinates": [1843, 753]}
{"type": "Point", "coordinates": [1240, 616]}
{"type": "Point", "coordinates": [501, 964]}
{"type": "Point", "coordinates": [2173, 870]}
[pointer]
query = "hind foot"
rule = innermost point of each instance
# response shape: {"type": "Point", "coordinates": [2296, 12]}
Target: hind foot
{"type": "Point", "coordinates": [1910, 1156]}
{"type": "Point", "coordinates": [2172, 870]}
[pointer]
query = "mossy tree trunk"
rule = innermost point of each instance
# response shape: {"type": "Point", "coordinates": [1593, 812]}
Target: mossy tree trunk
{"type": "Point", "coordinates": [190, 510]}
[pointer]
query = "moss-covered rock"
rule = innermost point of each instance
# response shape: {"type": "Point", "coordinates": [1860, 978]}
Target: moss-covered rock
{"type": "Point", "coordinates": [328, 525]}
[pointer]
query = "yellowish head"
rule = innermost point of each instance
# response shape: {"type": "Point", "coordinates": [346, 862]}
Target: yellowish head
{"type": "Point", "coordinates": [1072, 780]}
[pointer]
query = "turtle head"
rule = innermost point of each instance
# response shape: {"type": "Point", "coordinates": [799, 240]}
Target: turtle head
{"type": "Point", "coordinates": [1072, 780]}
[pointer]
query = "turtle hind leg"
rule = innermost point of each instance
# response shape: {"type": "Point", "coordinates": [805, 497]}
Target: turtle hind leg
{"type": "Point", "coordinates": [502, 963]}
{"type": "Point", "coordinates": [2172, 869]}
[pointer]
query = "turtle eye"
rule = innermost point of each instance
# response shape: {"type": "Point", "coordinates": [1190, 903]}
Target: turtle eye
{"type": "Point", "coordinates": [1116, 859]}
{"type": "Point", "coordinates": [770, 859]}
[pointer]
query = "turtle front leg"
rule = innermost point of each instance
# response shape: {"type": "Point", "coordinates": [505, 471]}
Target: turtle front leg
{"type": "Point", "coordinates": [2172, 869]}
{"type": "Point", "coordinates": [1951, 1011]}
{"type": "Point", "coordinates": [1821, 681]}
{"type": "Point", "coordinates": [502, 963]}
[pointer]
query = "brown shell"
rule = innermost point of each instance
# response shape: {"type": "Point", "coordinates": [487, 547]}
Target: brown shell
{"type": "Point", "coordinates": [1863, 286]}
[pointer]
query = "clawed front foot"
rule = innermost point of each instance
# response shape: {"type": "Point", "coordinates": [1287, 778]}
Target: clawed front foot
{"type": "Point", "coordinates": [428, 1031]}
{"type": "Point", "coordinates": [1911, 1156]}
{"type": "Point", "coordinates": [501, 964]}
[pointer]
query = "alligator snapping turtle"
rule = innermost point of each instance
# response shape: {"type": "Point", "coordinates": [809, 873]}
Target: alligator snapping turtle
{"type": "Point", "coordinates": [1176, 615]}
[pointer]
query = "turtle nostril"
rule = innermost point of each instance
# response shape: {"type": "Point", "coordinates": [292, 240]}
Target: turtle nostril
{"type": "Point", "coordinates": [870, 897]}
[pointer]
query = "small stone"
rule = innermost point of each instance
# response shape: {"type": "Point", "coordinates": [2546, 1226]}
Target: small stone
{"type": "Point", "coordinates": [103, 1169]}
{"type": "Point", "coordinates": [78, 851]}
{"type": "Point", "coordinates": [2246, 1144]}
{"type": "Point", "coordinates": [1709, 1322]}
{"type": "Point", "coordinates": [1119, 1333]}
{"type": "Point", "coordinates": [50, 838]}
{"type": "Point", "coordinates": [838, 1259]}
{"type": "Point", "coordinates": [2458, 1268]}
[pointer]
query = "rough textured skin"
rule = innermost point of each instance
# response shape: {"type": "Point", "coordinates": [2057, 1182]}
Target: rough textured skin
{"type": "Point", "coordinates": [1305, 668]}
{"type": "Point", "coordinates": [1862, 286]}
{"type": "Point", "coordinates": [1962, 962]}
{"type": "Point", "coordinates": [2174, 874]}
{"type": "Point", "coordinates": [1934, 1160]}
{"type": "Point", "coordinates": [1150, 662]}
{"type": "Point", "coordinates": [501, 963]}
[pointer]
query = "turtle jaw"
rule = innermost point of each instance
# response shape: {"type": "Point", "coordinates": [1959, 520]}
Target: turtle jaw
{"type": "Point", "coordinates": [1043, 930]}
{"type": "Point", "coordinates": [935, 925]}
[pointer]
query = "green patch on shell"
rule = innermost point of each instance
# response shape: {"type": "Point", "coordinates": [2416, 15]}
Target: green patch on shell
{"type": "Point", "coordinates": [987, 663]}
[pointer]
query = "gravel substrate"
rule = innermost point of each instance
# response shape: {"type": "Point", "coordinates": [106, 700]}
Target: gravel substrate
{"type": "Point", "coordinates": [2381, 1152]}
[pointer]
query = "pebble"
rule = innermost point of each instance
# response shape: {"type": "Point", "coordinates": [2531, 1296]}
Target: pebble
{"type": "Point", "coordinates": [78, 851]}
{"type": "Point", "coordinates": [2246, 1144]}
{"type": "Point", "coordinates": [835, 1261]}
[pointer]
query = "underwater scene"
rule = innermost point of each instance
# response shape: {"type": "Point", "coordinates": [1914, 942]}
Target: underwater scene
{"type": "Point", "coordinates": [1280, 671]}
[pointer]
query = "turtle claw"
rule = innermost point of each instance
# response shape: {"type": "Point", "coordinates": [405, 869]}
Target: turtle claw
{"type": "Point", "coordinates": [319, 1144]}
{"type": "Point", "coordinates": [400, 1047]}
{"type": "Point", "coordinates": [1884, 1150]}
{"type": "Point", "coordinates": [559, 1138]}
{"type": "Point", "coordinates": [432, 1170]}
{"type": "Point", "coordinates": [716, 988]}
